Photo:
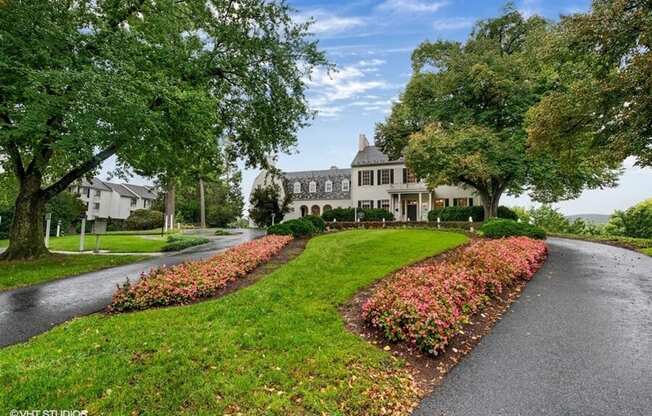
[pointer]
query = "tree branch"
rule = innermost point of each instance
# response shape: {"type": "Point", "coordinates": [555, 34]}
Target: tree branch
{"type": "Point", "coordinates": [79, 171]}
{"type": "Point", "coordinates": [14, 153]}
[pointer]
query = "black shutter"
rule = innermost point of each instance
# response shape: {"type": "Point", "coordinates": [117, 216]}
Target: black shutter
{"type": "Point", "coordinates": [391, 176]}
{"type": "Point", "coordinates": [379, 204]}
{"type": "Point", "coordinates": [359, 204]}
{"type": "Point", "coordinates": [371, 204]}
{"type": "Point", "coordinates": [359, 178]}
{"type": "Point", "coordinates": [470, 202]}
{"type": "Point", "coordinates": [404, 175]}
{"type": "Point", "coordinates": [446, 202]}
{"type": "Point", "coordinates": [371, 177]}
{"type": "Point", "coordinates": [378, 173]}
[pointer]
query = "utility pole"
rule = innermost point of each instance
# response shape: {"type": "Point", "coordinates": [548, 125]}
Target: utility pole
{"type": "Point", "coordinates": [202, 204]}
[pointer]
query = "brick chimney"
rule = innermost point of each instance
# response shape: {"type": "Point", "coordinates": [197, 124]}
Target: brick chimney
{"type": "Point", "coordinates": [363, 143]}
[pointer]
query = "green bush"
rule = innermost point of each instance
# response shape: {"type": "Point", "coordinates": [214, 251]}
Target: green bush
{"type": "Point", "coordinates": [506, 213]}
{"type": "Point", "coordinates": [376, 214]}
{"type": "Point", "coordinates": [317, 222]}
{"type": "Point", "coordinates": [178, 242]}
{"type": "Point", "coordinates": [463, 213]}
{"type": "Point", "coordinates": [457, 213]}
{"type": "Point", "coordinates": [348, 214]}
{"type": "Point", "coordinates": [298, 228]}
{"type": "Point", "coordinates": [144, 219]}
{"type": "Point", "coordinates": [499, 228]}
{"type": "Point", "coordinates": [280, 229]}
{"type": "Point", "coordinates": [637, 220]}
{"type": "Point", "coordinates": [339, 214]}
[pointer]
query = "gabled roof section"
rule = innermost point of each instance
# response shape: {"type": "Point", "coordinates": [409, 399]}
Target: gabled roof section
{"type": "Point", "coordinates": [142, 191]}
{"type": "Point", "coordinates": [372, 155]}
{"type": "Point", "coordinates": [95, 183]}
{"type": "Point", "coordinates": [318, 173]}
{"type": "Point", "coordinates": [120, 189]}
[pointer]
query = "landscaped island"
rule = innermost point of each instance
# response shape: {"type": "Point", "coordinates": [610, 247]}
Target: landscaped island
{"type": "Point", "coordinates": [279, 346]}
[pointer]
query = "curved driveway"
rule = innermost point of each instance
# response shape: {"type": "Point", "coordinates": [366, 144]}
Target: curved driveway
{"type": "Point", "coordinates": [28, 311]}
{"type": "Point", "coordinates": [577, 342]}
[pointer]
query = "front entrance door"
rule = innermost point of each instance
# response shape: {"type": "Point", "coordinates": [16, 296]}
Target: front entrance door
{"type": "Point", "coordinates": [412, 212]}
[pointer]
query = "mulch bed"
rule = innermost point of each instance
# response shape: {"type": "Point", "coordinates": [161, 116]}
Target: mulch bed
{"type": "Point", "coordinates": [288, 253]}
{"type": "Point", "coordinates": [428, 370]}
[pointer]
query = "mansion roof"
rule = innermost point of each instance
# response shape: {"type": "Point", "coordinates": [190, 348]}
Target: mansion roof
{"type": "Point", "coordinates": [372, 155]}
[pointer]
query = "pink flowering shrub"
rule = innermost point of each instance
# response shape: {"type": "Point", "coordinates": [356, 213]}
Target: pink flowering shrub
{"type": "Point", "coordinates": [426, 304]}
{"type": "Point", "coordinates": [190, 281]}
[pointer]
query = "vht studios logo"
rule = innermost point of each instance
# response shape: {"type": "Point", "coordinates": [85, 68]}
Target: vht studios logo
{"type": "Point", "coordinates": [48, 412]}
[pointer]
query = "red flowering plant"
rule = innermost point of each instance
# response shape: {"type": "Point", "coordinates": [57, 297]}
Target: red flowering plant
{"type": "Point", "coordinates": [426, 304]}
{"type": "Point", "coordinates": [187, 282]}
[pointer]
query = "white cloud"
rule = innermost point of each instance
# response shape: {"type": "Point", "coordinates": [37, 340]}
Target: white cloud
{"type": "Point", "coordinates": [331, 91]}
{"type": "Point", "coordinates": [453, 23]}
{"type": "Point", "coordinates": [327, 23]}
{"type": "Point", "coordinates": [408, 6]}
{"type": "Point", "coordinates": [370, 63]}
{"type": "Point", "coordinates": [530, 8]}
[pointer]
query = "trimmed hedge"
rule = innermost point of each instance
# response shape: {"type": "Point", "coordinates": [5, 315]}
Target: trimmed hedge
{"type": "Point", "coordinates": [499, 228]}
{"type": "Point", "coordinates": [463, 213]}
{"type": "Point", "coordinates": [317, 222]}
{"type": "Point", "coordinates": [144, 219]}
{"type": "Point", "coordinates": [177, 242]}
{"type": "Point", "coordinates": [348, 214]}
{"type": "Point", "coordinates": [297, 228]}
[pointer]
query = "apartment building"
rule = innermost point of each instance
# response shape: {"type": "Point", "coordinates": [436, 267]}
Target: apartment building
{"type": "Point", "coordinates": [112, 200]}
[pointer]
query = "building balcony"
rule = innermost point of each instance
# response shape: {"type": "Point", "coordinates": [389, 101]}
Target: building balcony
{"type": "Point", "coordinates": [407, 188]}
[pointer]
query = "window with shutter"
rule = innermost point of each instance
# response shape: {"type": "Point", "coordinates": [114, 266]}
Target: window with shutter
{"type": "Point", "coordinates": [404, 175]}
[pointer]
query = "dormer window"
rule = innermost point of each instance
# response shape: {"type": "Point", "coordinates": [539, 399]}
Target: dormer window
{"type": "Point", "coordinates": [345, 185]}
{"type": "Point", "coordinates": [297, 188]}
{"type": "Point", "coordinates": [312, 187]}
{"type": "Point", "coordinates": [328, 187]}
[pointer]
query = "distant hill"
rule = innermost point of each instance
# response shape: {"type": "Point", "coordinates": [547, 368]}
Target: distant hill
{"type": "Point", "coordinates": [593, 218]}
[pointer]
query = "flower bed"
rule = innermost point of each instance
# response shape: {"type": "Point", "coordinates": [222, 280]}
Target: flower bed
{"type": "Point", "coordinates": [427, 304]}
{"type": "Point", "coordinates": [190, 281]}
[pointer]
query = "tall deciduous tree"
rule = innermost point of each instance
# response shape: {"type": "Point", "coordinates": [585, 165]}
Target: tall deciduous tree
{"type": "Point", "coordinates": [460, 120]}
{"type": "Point", "coordinates": [155, 83]}
{"type": "Point", "coordinates": [600, 106]}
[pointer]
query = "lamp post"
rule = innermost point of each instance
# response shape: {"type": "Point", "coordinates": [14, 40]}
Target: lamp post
{"type": "Point", "coordinates": [83, 232]}
{"type": "Point", "coordinates": [48, 223]}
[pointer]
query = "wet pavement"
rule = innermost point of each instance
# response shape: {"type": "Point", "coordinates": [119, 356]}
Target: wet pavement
{"type": "Point", "coordinates": [29, 311]}
{"type": "Point", "coordinates": [577, 342]}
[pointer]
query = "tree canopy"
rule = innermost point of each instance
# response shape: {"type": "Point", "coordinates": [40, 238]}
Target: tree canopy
{"type": "Point", "coordinates": [159, 84]}
{"type": "Point", "coordinates": [600, 105]}
{"type": "Point", "coordinates": [460, 120]}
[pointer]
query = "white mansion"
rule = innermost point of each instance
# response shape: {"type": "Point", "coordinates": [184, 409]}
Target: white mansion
{"type": "Point", "coordinates": [373, 181]}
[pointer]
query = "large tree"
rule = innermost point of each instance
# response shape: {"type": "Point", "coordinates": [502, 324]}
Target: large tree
{"type": "Point", "coordinates": [601, 105]}
{"type": "Point", "coordinates": [460, 120]}
{"type": "Point", "coordinates": [155, 83]}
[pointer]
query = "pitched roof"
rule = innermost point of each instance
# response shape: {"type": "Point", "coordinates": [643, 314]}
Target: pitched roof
{"type": "Point", "coordinates": [372, 155]}
{"type": "Point", "coordinates": [120, 189]}
{"type": "Point", "coordinates": [142, 191]}
{"type": "Point", "coordinates": [317, 173]}
{"type": "Point", "coordinates": [95, 183]}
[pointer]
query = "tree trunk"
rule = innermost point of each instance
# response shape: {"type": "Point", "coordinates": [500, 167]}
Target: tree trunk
{"type": "Point", "coordinates": [26, 236]}
{"type": "Point", "coordinates": [170, 200]}
{"type": "Point", "coordinates": [490, 204]}
{"type": "Point", "coordinates": [202, 204]}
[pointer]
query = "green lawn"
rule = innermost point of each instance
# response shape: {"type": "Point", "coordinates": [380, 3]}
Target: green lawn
{"type": "Point", "coordinates": [122, 243]}
{"type": "Point", "coordinates": [24, 273]}
{"type": "Point", "coordinates": [277, 347]}
{"type": "Point", "coordinates": [647, 251]}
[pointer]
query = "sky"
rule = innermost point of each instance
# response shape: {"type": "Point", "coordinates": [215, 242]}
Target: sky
{"type": "Point", "coordinates": [370, 43]}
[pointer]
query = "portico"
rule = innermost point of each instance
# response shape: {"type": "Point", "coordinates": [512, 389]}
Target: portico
{"type": "Point", "coordinates": [411, 205]}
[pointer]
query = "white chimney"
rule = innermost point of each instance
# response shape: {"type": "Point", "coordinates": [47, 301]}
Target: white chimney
{"type": "Point", "coordinates": [363, 143]}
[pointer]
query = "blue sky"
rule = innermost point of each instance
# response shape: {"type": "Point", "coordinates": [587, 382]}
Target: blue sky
{"type": "Point", "coordinates": [370, 42]}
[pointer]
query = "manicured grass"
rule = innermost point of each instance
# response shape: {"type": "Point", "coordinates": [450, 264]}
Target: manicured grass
{"type": "Point", "coordinates": [276, 347]}
{"type": "Point", "coordinates": [4, 243]}
{"type": "Point", "coordinates": [647, 251]}
{"type": "Point", "coordinates": [117, 243]}
{"type": "Point", "coordinates": [24, 273]}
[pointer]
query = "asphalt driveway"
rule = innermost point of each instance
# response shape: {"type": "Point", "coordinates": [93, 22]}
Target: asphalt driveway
{"type": "Point", "coordinates": [577, 342]}
{"type": "Point", "coordinates": [29, 311]}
